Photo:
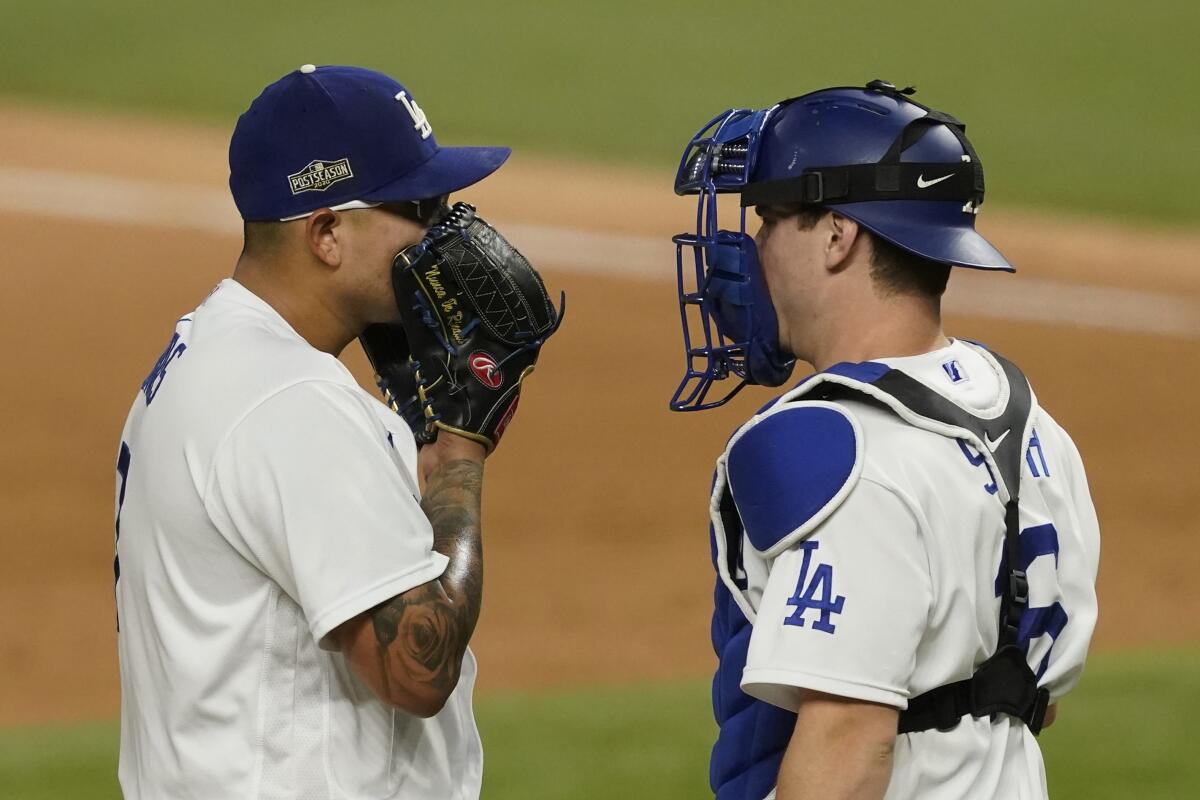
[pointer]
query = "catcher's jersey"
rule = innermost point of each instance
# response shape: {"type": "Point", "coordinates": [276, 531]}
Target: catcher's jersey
{"type": "Point", "coordinates": [263, 499]}
{"type": "Point", "coordinates": [869, 567]}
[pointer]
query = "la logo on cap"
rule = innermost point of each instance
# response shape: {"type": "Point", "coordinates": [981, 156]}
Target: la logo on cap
{"type": "Point", "coordinates": [420, 122]}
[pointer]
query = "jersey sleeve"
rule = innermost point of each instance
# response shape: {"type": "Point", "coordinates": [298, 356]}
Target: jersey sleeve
{"type": "Point", "coordinates": [1076, 561]}
{"type": "Point", "coordinates": [309, 488]}
{"type": "Point", "coordinates": [844, 609]}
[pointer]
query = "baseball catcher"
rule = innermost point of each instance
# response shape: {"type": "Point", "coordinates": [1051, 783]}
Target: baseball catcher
{"type": "Point", "coordinates": [904, 541]}
{"type": "Point", "coordinates": [474, 316]}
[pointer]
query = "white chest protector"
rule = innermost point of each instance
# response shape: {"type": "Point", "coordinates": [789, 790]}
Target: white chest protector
{"type": "Point", "coordinates": [1004, 683]}
{"type": "Point", "coordinates": [864, 532]}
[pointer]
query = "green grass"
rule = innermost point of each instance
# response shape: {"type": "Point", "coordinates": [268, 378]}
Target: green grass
{"type": "Point", "coordinates": [648, 741]}
{"type": "Point", "coordinates": [1083, 107]}
{"type": "Point", "coordinates": [1127, 732]}
{"type": "Point", "coordinates": [51, 762]}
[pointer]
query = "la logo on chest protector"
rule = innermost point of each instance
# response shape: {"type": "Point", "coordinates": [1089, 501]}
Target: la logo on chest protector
{"type": "Point", "coordinates": [420, 121]}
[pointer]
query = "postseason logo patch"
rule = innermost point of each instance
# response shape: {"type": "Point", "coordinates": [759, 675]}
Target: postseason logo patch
{"type": "Point", "coordinates": [320, 175]}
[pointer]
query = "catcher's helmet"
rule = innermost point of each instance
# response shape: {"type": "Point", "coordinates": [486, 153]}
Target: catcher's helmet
{"type": "Point", "coordinates": [903, 171]}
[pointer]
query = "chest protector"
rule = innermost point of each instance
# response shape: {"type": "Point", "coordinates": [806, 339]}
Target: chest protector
{"type": "Point", "coordinates": [754, 735]}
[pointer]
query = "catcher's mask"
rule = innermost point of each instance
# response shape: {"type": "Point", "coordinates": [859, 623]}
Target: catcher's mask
{"type": "Point", "coordinates": [902, 170]}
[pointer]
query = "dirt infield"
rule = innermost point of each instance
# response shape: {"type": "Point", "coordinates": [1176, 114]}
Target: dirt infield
{"type": "Point", "coordinates": [595, 507]}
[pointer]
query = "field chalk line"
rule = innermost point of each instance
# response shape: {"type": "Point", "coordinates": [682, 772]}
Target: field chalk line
{"type": "Point", "coordinates": [160, 204]}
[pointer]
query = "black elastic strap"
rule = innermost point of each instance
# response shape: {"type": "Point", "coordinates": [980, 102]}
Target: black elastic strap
{"type": "Point", "coordinates": [916, 129]}
{"type": "Point", "coordinates": [1014, 596]}
{"type": "Point", "coordinates": [858, 183]}
{"type": "Point", "coordinates": [1004, 431]}
{"type": "Point", "coordinates": [1004, 684]}
{"type": "Point", "coordinates": [731, 521]}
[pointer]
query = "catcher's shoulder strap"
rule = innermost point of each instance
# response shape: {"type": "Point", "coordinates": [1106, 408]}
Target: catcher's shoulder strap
{"type": "Point", "coordinates": [1004, 682]}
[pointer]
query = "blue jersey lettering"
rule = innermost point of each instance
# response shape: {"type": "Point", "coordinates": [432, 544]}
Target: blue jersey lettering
{"type": "Point", "coordinates": [1035, 446]}
{"type": "Point", "coordinates": [154, 380]}
{"type": "Point", "coordinates": [123, 459]}
{"type": "Point", "coordinates": [1036, 542]}
{"type": "Point", "coordinates": [977, 460]}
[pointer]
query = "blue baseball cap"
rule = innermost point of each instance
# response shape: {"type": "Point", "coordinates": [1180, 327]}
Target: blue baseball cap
{"type": "Point", "coordinates": [342, 136]}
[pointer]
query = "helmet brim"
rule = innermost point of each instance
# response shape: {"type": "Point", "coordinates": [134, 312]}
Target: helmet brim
{"type": "Point", "coordinates": [938, 230]}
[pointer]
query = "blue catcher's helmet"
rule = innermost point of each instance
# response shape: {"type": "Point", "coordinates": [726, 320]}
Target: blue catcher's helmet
{"type": "Point", "coordinates": [903, 171]}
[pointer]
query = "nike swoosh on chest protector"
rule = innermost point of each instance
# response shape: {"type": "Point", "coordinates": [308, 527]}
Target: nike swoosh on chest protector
{"type": "Point", "coordinates": [992, 445]}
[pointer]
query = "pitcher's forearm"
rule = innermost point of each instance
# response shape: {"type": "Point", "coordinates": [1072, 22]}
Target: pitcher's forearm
{"type": "Point", "coordinates": [453, 503]}
{"type": "Point", "coordinates": [422, 635]}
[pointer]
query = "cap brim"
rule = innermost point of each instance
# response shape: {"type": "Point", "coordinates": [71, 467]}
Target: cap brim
{"type": "Point", "coordinates": [448, 170]}
{"type": "Point", "coordinates": [933, 229]}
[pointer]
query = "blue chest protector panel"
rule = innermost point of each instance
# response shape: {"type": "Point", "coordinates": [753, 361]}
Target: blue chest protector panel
{"type": "Point", "coordinates": [786, 471]}
{"type": "Point", "coordinates": [753, 735]}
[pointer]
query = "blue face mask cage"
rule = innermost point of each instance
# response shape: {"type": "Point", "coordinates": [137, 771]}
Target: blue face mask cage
{"type": "Point", "coordinates": [730, 329]}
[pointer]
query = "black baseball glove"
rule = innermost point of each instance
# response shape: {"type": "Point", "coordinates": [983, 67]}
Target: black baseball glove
{"type": "Point", "coordinates": [386, 347]}
{"type": "Point", "coordinates": [474, 315]}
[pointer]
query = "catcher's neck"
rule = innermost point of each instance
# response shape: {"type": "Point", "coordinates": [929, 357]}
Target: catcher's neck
{"type": "Point", "coordinates": [887, 336]}
{"type": "Point", "coordinates": [858, 322]}
{"type": "Point", "coordinates": [311, 310]}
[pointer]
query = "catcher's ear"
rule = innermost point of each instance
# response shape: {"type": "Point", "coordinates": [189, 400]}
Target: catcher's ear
{"type": "Point", "coordinates": [840, 235]}
{"type": "Point", "coordinates": [322, 235]}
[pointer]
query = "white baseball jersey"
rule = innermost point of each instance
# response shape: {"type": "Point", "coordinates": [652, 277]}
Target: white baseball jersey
{"type": "Point", "coordinates": [886, 584]}
{"type": "Point", "coordinates": [263, 499]}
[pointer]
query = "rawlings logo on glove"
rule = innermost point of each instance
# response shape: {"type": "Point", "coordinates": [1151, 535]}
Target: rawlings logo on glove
{"type": "Point", "coordinates": [474, 315]}
{"type": "Point", "coordinates": [485, 368]}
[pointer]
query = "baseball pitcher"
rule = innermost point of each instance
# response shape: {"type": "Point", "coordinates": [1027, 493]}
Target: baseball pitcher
{"type": "Point", "coordinates": [296, 581]}
{"type": "Point", "coordinates": [905, 545]}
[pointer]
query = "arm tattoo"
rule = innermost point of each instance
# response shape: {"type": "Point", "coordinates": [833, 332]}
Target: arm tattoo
{"type": "Point", "coordinates": [424, 632]}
